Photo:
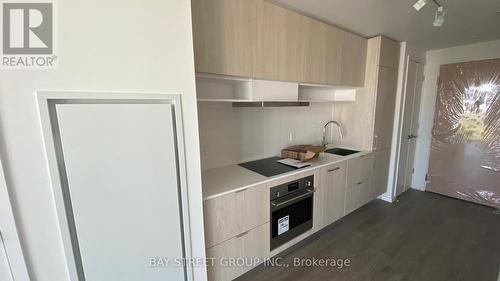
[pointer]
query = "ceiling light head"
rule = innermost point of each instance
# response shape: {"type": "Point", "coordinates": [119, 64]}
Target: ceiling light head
{"type": "Point", "coordinates": [419, 4]}
{"type": "Point", "coordinates": [439, 18]}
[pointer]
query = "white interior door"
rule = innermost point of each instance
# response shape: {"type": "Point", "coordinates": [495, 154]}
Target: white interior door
{"type": "Point", "coordinates": [119, 171]}
{"type": "Point", "coordinates": [414, 80]}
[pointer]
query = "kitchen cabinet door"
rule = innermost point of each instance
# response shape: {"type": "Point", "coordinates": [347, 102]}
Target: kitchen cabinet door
{"type": "Point", "coordinates": [323, 54]}
{"type": "Point", "coordinates": [329, 197]}
{"type": "Point", "coordinates": [357, 195]}
{"type": "Point", "coordinates": [256, 244]}
{"type": "Point", "coordinates": [229, 215]}
{"type": "Point", "coordinates": [389, 53]}
{"type": "Point", "coordinates": [353, 60]}
{"type": "Point", "coordinates": [359, 169]}
{"type": "Point", "coordinates": [254, 205]}
{"type": "Point", "coordinates": [384, 108]}
{"type": "Point", "coordinates": [279, 45]}
{"type": "Point", "coordinates": [251, 244]}
{"type": "Point", "coordinates": [223, 34]}
{"type": "Point", "coordinates": [381, 172]}
{"type": "Point", "coordinates": [222, 219]}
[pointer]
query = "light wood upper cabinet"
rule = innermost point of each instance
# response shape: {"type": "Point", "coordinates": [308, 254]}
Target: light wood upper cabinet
{"type": "Point", "coordinates": [329, 196]}
{"type": "Point", "coordinates": [389, 53]}
{"type": "Point", "coordinates": [255, 38]}
{"type": "Point", "coordinates": [229, 215]}
{"type": "Point", "coordinates": [323, 54]}
{"type": "Point", "coordinates": [333, 56]}
{"type": "Point", "coordinates": [353, 60]}
{"type": "Point", "coordinates": [279, 44]}
{"type": "Point", "coordinates": [223, 34]}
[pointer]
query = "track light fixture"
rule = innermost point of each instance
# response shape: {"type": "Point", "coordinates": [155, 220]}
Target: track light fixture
{"type": "Point", "coordinates": [439, 17]}
{"type": "Point", "coordinates": [419, 4]}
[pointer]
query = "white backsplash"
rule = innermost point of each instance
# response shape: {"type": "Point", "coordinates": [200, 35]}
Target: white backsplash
{"type": "Point", "coordinates": [233, 135]}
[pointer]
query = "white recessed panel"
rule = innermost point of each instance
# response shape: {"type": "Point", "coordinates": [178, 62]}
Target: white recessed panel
{"type": "Point", "coordinates": [121, 167]}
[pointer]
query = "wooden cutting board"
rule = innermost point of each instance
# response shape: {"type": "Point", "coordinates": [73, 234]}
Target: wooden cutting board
{"type": "Point", "coordinates": [302, 152]}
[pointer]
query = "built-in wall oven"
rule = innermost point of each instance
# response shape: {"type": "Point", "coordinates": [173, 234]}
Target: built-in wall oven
{"type": "Point", "coordinates": [291, 210]}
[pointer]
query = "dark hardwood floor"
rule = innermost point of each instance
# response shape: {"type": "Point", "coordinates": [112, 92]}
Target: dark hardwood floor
{"type": "Point", "coordinates": [422, 236]}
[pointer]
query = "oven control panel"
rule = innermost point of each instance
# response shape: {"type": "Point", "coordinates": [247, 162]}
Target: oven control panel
{"type": "Point", "coordinates": [291, 187]}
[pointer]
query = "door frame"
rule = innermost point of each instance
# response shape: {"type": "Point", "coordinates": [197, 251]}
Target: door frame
{"type": "Point", "coordinates": [9, 235]}
{"type": "Point", "coordinates": [45, 98]}
{"type": "Point", "coordinates": [398, 127]}
{"type": "Point", "coordinates": [417, 95]}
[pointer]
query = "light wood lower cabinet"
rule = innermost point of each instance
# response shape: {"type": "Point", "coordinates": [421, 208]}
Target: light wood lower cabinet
{"type": "Point", "coordinates": [234, 257]}
{"type": "Point", "coordinates": [360, 168]}
{"type": "Point", "coordinates": [330, 195]}
{"type": "Point", "coordinates": [381, 172]}
{"type": "Point", "coordinates": [237, 226]}
{"type": "Point", "coordinates": [234, 213]}
{"type": "Point", "coordinates": [359, 189]}
{"type": "Point", "coordinates": [357, 195]}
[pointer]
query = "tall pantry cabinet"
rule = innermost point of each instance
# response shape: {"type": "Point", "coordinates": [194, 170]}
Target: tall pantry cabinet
{"type": "Point", "coordinates": [371, 117]}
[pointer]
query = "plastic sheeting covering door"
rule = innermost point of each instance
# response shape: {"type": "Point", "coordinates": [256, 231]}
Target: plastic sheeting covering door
{"type": "Point", "coordinates": [465, 155]}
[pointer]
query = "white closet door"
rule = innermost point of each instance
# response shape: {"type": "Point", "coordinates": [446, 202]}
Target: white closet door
{"type": "Point", "coordinates": [122, 188]}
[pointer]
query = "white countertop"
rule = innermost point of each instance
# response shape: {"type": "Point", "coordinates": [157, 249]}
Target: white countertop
{"type": "Point", "coordinates": [226, 179]}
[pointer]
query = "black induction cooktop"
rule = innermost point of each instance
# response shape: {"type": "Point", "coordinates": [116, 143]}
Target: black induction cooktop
{"type": "Point", "coordinates": [268, 167]}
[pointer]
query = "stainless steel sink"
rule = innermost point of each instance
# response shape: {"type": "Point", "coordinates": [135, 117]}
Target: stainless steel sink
{"type": "Point", "coordinates": [341, 151]}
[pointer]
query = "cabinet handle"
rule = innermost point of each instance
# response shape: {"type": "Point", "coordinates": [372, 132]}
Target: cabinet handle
{"type": "Point", "coordinates": [359, 183]}
{"type": "Point", "coordinates": [242, 234]}
{"type": "Point", "coordinates": [333, 170]}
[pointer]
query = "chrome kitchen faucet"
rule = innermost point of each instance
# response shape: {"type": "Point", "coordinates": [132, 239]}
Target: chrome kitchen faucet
{"type": "Point", "coordinates": [325, 143]}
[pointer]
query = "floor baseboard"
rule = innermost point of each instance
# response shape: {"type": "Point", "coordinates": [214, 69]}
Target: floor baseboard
{"type": "Point", "coordinates": [386, 198]}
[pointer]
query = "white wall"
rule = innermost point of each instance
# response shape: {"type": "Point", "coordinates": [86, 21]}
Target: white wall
{"type": "Point", "coordinates": [103, 45]}
{"type": "Point", "coordinates": [233, 135]}
{"type": "Point", "coordinates": [435, 58]}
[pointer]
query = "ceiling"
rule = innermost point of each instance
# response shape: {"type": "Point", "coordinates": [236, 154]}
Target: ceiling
{"type": "Point", "coordinates": [467, 21]}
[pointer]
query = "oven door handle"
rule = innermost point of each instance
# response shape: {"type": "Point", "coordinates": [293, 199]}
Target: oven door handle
{"type": "Point", "coordinates": [309, 192]}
